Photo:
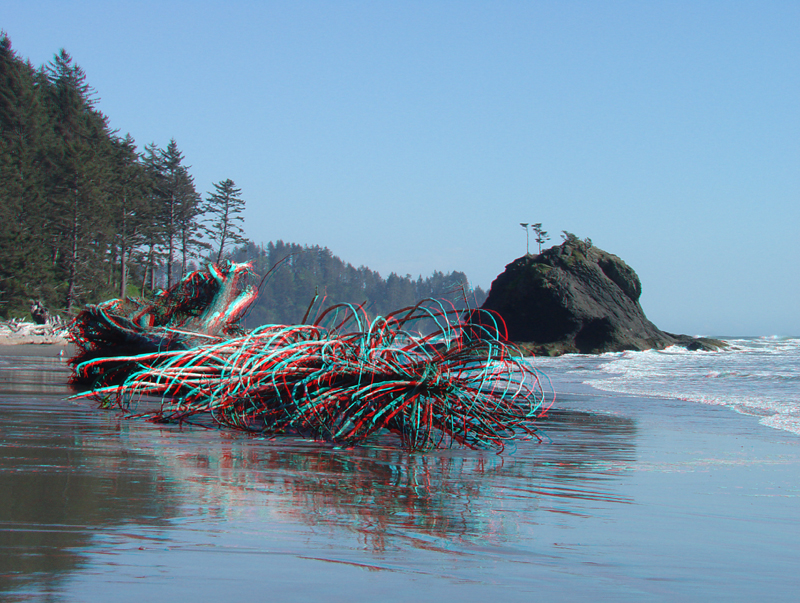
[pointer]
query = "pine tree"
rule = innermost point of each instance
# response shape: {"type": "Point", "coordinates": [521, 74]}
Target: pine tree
{"type": "Point", "coordinates": [286, 294]}
{"type": "Point", "coordinates": [225, 207]}
{"type": "Point", "coordinates": [541, 235]}
{"type": "Point", "coordinates": [79, 172]}
{"type": "Point", "coordinates": [152, 225]}
{"type": "Point", "coordinates": [171, 191]}
{"type": "Point", "coordinates": [78, 205]}
{"type": "Point", "coordinates": [130, 188]}
{"type": "Point", "coordinates": [178, 206]}
{"type": "Point", "coordinates": [24, 265]}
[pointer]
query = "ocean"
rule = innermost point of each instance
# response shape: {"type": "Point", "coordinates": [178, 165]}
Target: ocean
{"type": "Point", "coordinates": [759, 376]}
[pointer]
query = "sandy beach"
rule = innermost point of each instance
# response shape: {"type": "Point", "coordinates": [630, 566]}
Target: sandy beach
{"type": "Point", "coordinates": [28, 339]}
{"type": "Point", "coordinates": [627, 498]}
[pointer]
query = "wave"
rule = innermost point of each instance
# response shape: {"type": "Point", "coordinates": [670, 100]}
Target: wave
{"type": "Point", "coordinates": [758, 377]}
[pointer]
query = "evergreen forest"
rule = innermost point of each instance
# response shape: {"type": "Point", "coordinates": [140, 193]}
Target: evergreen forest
{"type": "Point", "coordinates": [304, 274]}
{"type": "Point", "coordinates": [86, 216]}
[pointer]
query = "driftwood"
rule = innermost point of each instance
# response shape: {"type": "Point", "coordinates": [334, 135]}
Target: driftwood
{"type": "Point", "coordinates": [344, 378]}
{"type": "Point", "coordinates": [39, 313]}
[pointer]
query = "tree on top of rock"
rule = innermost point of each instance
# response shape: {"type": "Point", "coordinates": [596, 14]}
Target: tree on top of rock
{"type": "Point", "coordinates": [573, 240]}
{"type": "Point", "coordinates": [541, 235]}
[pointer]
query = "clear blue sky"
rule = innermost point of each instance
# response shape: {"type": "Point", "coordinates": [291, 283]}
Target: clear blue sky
{"type": "Point", "coordinates": [416, 136]}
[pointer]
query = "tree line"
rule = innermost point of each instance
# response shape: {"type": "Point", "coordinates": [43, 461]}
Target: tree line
{"type": "Point", "coordinates": [304, 273]}
{"type": "Point", "coordinates": [83, 214]}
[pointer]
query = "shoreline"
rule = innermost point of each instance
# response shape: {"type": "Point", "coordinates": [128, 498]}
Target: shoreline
{"type": "Point", "coordinates": [51, 349]}
{"type": "Point", "coordinates": [29, 339]}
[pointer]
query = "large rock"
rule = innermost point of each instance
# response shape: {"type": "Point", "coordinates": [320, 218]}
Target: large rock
{"type": "Point", "coordinates": [577, 298]}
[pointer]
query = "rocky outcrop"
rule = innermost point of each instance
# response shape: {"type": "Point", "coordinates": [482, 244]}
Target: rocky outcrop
{"type": "Point", "coordinates": [577, 298]}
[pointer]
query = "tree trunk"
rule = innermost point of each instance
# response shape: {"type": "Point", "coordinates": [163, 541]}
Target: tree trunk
{"type": "Point", "coordinates": [111, 266]}
{"type": "Point", "coordinates": [184, 245]}
{"type": "Point", "coordinates": [152, 271]}
{"type": "Point", "coordinates": [123, 253]}
{"type": "Point", "coordinates": [171, 235]}
{"type": "Point", "coordinates": [123, 272]}
{"type": "Point", "coordinates": [221, 247]}
{"type": "Point", "coordinates": [73, 260]}
{"type": "Point", "coordinates": [144, 276]}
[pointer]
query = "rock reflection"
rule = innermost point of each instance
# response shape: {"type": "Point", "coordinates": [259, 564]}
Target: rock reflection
{"type": "Point", "coordinates": [585, 442]}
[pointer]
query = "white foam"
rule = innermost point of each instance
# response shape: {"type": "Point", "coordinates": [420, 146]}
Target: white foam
{"type": "Point", "coordinates": [760, 377]}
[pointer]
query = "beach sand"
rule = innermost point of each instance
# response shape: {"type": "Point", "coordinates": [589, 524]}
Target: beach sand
{"type": "Point", "coordinates": [28, 339]}
{"type": "Point", "coordinates": [27, 333]}
{"type": "Point", "coordinates": [714, 501]}
{"type": "Point", "coordinates": [626, 499]}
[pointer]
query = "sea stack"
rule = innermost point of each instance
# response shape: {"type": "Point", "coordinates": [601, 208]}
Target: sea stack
{"type": "Point", "coordinates": [576, 298]}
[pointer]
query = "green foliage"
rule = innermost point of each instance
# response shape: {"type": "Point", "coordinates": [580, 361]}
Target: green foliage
{"type": "Point", "coordinates": [79, 172]}
{"type": "Point", "coordinates": [24, 133]}
{"type": "Point", "coordinates": [287, 292]}
{"type": "Point", "coordinates": [177, 205]}
{"type": "Point", "coordinates": [81, 211]}
{"type": "Point", "coordinates": [541, 235]}
{"type": "Point", "coordinates": [225, 207]}
{"type": "Point", "coordinates": [580, 248]}
{"type": "Point", "coordinates": [84, 216]}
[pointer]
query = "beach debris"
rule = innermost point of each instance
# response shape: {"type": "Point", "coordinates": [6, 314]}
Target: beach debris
{"type": "Point", "coordinates": [39, 313]}
{"type": "Point", "coordinates": [19, 330]}
{"type": "Point", "coordinates": [344, 386]}
{"type": "Point", "coordinates": [344, 378]}
{"type": "Point", "coordinates": [204, 305]}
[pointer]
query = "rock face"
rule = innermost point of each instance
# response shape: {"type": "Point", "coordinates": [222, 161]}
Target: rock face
{"type": "Point", "coordinates": [577, 298]}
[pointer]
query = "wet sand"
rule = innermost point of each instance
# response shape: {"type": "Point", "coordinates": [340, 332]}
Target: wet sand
{"type": "Point", "coordinates": [55, 349]}
{"type": "Point", "coordinates": [627, 498]}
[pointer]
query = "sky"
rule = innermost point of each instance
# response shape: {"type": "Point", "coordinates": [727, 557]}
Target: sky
{"type": "Point", "coordinates": [416, 136]}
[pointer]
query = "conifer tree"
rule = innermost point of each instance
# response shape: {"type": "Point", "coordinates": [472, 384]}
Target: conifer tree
{"type": "Point", "coordinates": [24, 266]}
{"type": "Point", "coordinates": [149, 256]}
{"type": "Point", "coordinates": [78, 203]}
{"type": "Point", "coordinates": [171, 191]}
{"type": "Point", "coordinates": [179, 206]}
{"type": "Point", "coordinates": [541, 235]}
{"type": "Point", "coordinates": [306, 271]}
{"type": "Point", "coordinates": [79, 170]}
{"type": "Point", "coordinates": [224, 208]}
{"type": "Point", "coordinates": [130, 187]}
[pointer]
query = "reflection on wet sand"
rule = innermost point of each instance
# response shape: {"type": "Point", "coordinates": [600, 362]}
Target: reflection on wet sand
{"type": "Point", "coordinates": [391, 498]}
{"type": "Point", "coordinates": [46, 374]}
{"type": "Point", "coordinates": [65, 478]}
{"type": "Point", "coordinates": [69, 472]}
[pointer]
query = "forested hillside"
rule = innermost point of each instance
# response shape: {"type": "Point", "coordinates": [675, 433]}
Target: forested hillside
{"type": "Point", "coordinates": [85, 216]}
{"type": "Point", "coordinates": [287, 292]}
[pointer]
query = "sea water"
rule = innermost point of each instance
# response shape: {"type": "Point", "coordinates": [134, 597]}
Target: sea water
{"type": "Point", "coordinates": [755, 376]}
